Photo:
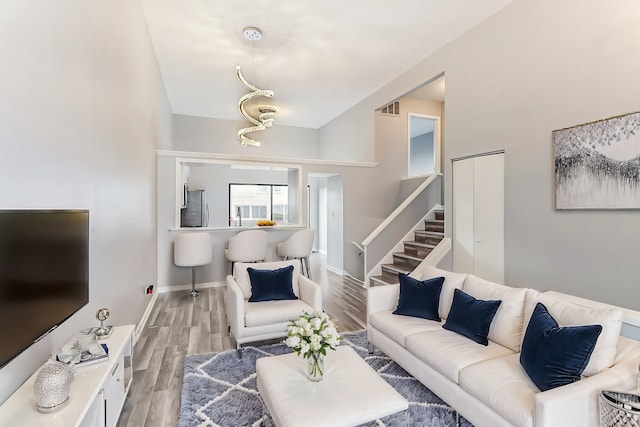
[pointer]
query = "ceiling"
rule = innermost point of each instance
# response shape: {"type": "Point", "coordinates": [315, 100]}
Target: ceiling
{"type": "Point", "coordinates": [319, 57]}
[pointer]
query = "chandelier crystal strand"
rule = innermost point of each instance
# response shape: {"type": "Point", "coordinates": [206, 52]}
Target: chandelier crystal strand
{"type": "Point", "coordinates": [263, 121]}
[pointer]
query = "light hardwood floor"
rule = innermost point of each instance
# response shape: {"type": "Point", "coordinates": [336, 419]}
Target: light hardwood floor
{"type": "Point", "coordinates": [180, 325]}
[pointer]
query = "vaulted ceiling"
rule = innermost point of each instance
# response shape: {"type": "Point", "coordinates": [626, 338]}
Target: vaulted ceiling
{"type": "Point", "coordinates": [319, 57]}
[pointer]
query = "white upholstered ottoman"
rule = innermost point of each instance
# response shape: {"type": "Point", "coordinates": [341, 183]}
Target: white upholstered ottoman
{"type": "Point", "coordinates": [351, 392]}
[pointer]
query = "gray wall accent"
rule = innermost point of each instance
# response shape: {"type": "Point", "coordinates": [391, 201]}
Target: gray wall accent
{"type": "Point", "coordinates": [349, 136]}
{"type": "Point", "coordinates": [510, 82]}
{"type": "Point", "coordinates": [409, 185]}
{"type": "Point", "coordinates": [207, 135]}
{"type": "Point", "coordinates": [82, 112]}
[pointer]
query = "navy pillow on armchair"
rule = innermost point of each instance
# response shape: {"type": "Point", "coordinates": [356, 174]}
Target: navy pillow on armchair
{"type": "Point", "coordinates": [471, 317]}
{"type": "Point", "coordinates": [271, 285]}
{"type": "Point", "coordinates": [419, 298]}
{"type": "Point", "coordinates": [553, 356]}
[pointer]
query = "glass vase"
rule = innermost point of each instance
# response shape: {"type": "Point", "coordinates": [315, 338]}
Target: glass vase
{"type": "Point", "coordinates": [315, 366]}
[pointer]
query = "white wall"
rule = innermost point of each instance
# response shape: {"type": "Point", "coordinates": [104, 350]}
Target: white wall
{"type": "Point", "coordinates": [313, 215]}
{"type": "Point", "coordinates": [82, 112]}
{"type": "Point", "coordinates": [207, 135]}
{"type": "Point", "coordinates": [532, 68]}
{"type": "Point", "coordinates": [335, 222]}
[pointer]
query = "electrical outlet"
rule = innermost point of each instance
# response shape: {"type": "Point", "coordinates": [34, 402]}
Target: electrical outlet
{"type": "Point", "coordinates": [148, 290]}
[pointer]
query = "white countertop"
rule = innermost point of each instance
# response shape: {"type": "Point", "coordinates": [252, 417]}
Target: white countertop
{"type": "Point", "coordinates": [253, 227]}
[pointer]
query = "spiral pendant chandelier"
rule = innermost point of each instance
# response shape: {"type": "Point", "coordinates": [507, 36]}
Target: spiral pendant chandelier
{"type": "Point", "coordinates": [266, 114]}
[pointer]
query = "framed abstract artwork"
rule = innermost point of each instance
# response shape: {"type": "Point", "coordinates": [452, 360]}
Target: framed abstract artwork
{"type": "Point", "coordinates": [597, 165]}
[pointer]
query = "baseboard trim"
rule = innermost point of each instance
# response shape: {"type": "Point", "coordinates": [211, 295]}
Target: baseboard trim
{"type": "Point", "coordinates": [335, 270]}
{"type": "Point", "coordinates": [145, 318]}
{"type": "Point", "coordinates": [164, 289]}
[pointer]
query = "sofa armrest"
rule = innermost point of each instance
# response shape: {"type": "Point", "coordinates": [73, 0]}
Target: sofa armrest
{"type": "Point", "coordinates": [382, 298]}
{"type": "Point", "coordinates": [577, 403]}
{"type": "Point", "coordinates": [235, 307]}
{"type": "Point", "coordinates": [310, 293]}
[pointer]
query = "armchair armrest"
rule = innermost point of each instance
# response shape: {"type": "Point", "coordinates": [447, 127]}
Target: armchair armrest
{"type": "Point", "coordinates": [577, 403]}
{"type": "Point", "coordinates": [235, 307]}
{"type": "Point", "coordinates": [310, 293]}
{"type": "Point", "coordinates": [382, 298]}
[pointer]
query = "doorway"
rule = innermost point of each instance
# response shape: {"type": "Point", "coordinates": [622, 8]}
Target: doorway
{"type": "Point", "coordinates": [326, 217]}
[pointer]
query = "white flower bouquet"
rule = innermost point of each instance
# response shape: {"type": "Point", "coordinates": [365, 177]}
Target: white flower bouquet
{"type": "Point", "coordinates": [310, 336]}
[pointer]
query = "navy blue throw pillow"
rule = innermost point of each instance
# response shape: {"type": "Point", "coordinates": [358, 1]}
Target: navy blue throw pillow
{"type": "Point", "coordinates": [271, 285]}
{"type": "Point", "coordinates": [553, 356]}
{"type": "Point", "coordinates": [471, 317]}
{"type": "Point", "coordinates": [419, 298]}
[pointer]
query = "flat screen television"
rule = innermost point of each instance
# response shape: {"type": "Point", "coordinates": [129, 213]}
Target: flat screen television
{"type": "Point", "coordinates": [44, 274]}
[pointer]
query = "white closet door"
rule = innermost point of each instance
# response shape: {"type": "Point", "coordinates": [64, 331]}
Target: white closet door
{"type": "Point", "coordinates": [488, 202]}
{"type": "Point", "coordinates": [478, 216]}
{"type": "Point", "coordinates": [463, 198]}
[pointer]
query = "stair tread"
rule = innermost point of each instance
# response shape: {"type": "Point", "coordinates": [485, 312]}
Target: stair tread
{"type": "Point", "coordinates": [380, 281]}
{"type": "Point", "coordinates": [430, 233]}
{"type": "Point", "coordinates": [437, 221]}
{"type": "Point", "coordinates": [407, 256]}
{"type": "Point", "coordinates": [396, 268]}
{"type": "Point", "coordinates": [420, 244]}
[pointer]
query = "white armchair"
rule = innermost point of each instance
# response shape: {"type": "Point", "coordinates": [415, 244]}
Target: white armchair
{"type": "Point", "coordinates": [257, 321]}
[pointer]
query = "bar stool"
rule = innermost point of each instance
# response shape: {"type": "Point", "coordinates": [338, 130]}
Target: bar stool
{"type": "Point", "coordinates": [192, 250]}
{"type": "Point", "coordinates": [299, 246]}
{"type": "Point", "coordinates": [247, 246]}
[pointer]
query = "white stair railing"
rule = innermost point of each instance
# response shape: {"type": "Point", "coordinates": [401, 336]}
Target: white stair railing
{"type": "Point", "coordinates": [401, 221]}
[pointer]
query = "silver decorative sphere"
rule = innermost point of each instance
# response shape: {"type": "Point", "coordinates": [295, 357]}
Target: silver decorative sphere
{"type": "Point", "coordinates": [102, 314]}
{"type": "Point", "coordinates": [103, 331]}
{"type": "Point", "coordinates": [52, 385]}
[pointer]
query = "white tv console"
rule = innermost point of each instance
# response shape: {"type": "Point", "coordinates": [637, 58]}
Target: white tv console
{"type": "Point", "coordinates": [97, 393]}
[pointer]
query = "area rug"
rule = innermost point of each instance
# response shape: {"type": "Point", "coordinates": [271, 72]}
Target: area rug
{"type": "Point", "coordinates": [220, 390]}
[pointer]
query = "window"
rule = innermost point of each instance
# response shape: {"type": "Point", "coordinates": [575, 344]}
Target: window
{"type": "Point", "coordinates": [249, 203]}
{"type": "Point", "coordinates": [424, 145]}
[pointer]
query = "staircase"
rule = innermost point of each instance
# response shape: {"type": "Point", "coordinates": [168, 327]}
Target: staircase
{"type": "Point", "coordinates": [414, 251]}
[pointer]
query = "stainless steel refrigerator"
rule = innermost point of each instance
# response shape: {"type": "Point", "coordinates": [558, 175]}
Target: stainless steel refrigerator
{"type": "Point", "coordinates": [196, 212]}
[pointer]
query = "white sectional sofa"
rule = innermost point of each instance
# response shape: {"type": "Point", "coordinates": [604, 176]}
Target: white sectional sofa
{"type": "Point", "coordinates": [487, 385]}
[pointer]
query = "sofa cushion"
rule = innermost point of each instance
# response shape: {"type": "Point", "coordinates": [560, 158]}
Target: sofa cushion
{"type": "Point", "coordinates": [271, 285]}
{"type": "Point", "coordinates": [449, 353]}
{"type": "Point", "coordinates": [452, 281]}
{"type": "Point", "coordinates": [554, 356]}
{"type": "Point", "coordinates": [502, 385]}
{"type": "Point", "coordinates": [272, 312]}
{"type": "Point", "coordinates": [568, 313]}
{"type": "Point", "coordinates": [530, 301]}
{"type": "Point", "coordinates": [506, 328]}
{"type": "Point", "coordinates": [471, 317]}
{"type": "Point", "coordinates": [242, 276]}
{"type": "Point", "coordinates": [398, 328]}
{"type": "Point", "coordinates": [419, 298]}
